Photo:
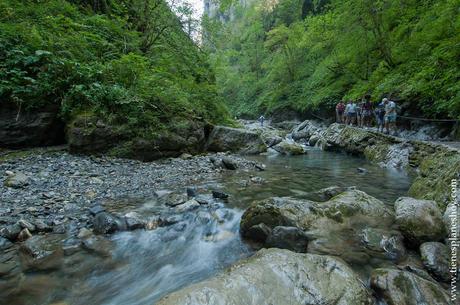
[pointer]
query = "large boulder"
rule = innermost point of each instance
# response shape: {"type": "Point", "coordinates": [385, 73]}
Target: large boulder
{"type": "Point", "coordinates": [87, 135]}
{"type": "Point", "coordinates": [399, 287]}
{"type": "Point", "coordinates": [305, 130]}
{"type": "Point", "coordinates": [333, 227]}
{"type": "Point", "coordinates": [435, 257]}
{"type": "Point", "coordinates": [235, 140]}
{"type": "Point", "coordinates": [27, 128]}
{"type": "Point", "coordinates": [278, 277]}
{"type": "Point", "coordinates": [419, 220]}
{"type": "Point", "coordinates": [288, 148]}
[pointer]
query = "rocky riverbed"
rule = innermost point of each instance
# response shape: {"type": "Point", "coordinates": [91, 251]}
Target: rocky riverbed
{"type": "Point", "coordinates": [100, 230]}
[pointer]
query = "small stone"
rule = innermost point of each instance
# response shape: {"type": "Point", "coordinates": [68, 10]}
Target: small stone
{"type": "Point", "coordinates": [105, 223]}
{"type": "Point", "coordinates": [24, 235]}
{"type": "Point", "coordinates": [134, 221]}
{"type": "Point", "coordinates": [26, 225]}
{"type": "Point", "coordinates": [84, 233]}
{"type": "Point", "coordinates": [191, 192]}
{"type": "Point", "coordinates": [96, 210]}
{"type": "Point", "coordinates": [229, 163]}
{"type": "Point", "coordinates": [219, 195]}
{"type": "Point", "coordinates": [189, 205]}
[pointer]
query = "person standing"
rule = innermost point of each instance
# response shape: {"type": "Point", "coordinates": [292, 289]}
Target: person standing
{"type": "Point", "coordinates": [261, 120]}
{"type": "Point", "coordinates": [339, 112]}
{"type": "Point", "coordinates": [390, 116]}
{"type": "Point", "coordinates": [380, 116]}
{"type": "Point", "coordinates": [350, 111]}
{"type": "Point", "coordinates": [359, 112]}
{"type": "Point", "coordinates": [367, 111]}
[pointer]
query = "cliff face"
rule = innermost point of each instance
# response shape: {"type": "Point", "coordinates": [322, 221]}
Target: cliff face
{"type": "Point", "coordinates": [213, 10]}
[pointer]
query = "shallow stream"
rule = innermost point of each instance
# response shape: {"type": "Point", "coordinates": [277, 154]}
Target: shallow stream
{"type": "Point", "coordinates": [146, 265]}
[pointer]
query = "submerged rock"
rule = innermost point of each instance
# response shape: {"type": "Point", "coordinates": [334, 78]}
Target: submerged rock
{"type": "Point", "coordinates": [41, 253]}
{"type": "Point", "coordinates": [239, 140]}
{"type": "Point", "coordinates": [435, 257]}
{"type": "Point", "coordinates": [419, 220]}
{"type": "Point", "coordinates": [278, 277]}
{"type": "Point", "coordinates": [404, 288]}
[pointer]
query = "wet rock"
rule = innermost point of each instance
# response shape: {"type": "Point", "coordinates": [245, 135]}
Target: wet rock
{"type": "Point", "coordinates": [238, 140]}
{"type": "Point", "coordinates": [98, 245]}
{"type": "Point", "coordinates": [24, 235]}
{"type": "Point", "coordinates": [173, 199]}
{"type": "Point", "coordinates": [290, 238]}
{"type": "Point", "coordinates": [11, 232]}
{"type": "Point", "coordinates": [273, 276]}
{"type": "Point", "coordinates": [105, 223]}
{"type": "Point", "coordinates": [328, 193]}
{"type": "Point", "coordinates": [191, 192]}
{"type": "Point", "coordinates": [362, 170]}
{"type": "Point", "coordinates": [204, 199]}
{"type": "Point", "coordinates": [219, 195]}
{"type": "Point", "coordinates": [42, 226]}
{"type": "Point", "coordinates": [134, 221]}
{"type": "Point", "coordinates": [289, 148]}
{"type": "Point", "coordinates": [229, 163]}
{"type": "Point", "coordinates": [435, 257]}
{"type": "Point", "coordinates": [152, 223]}
{"type": "Point", "coordinates": [169, 220]}
{"type": "Point", "coordinates": [390, 243]}
{"type": "Point", "coordinates": [419, 220]}
{"type": "Point", "coordinates": [84, 233]}
{"type": "Point", "coordinates": [306, 129]}
{"type": "Point", "coordinates": [187, 206]}
{"type": "Point", "coordinates": [17, 180]}
{"type": "Point", "coordinates": [41, 253]}
{"type": "Point", "coordinates": [313, 140]}
{"type": "Point", "coordinates": [96, 210]}
{"type": "Point", "coordinates": [26, 225]}
{"type": "Point", "coordinates": [258, 233]}
{"type": "Point", "coordinates": [333, 227]}
{"type": "Point", "coordinates": [399, 287]}
{"type": "Point", "coordinates": [71, 247]}
{"type": "Point", "coordinates": [4, 243]}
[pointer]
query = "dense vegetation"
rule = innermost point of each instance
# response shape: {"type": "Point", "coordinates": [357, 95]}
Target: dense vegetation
{"type": "Point", "coordinates": [308, 54]}
{"type": "Point", "coordinates": [130, 62]}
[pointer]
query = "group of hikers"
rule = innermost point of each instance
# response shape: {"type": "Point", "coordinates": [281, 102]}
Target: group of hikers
{"type": "Point", "coordinates": [362, 114]}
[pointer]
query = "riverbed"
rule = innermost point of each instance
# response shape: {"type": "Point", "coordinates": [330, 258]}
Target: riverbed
{"type": "Point", "coordinates": [141, 266]}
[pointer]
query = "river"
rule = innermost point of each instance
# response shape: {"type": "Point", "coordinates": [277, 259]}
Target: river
{"type": "Point", "coordinates": [142, 266]}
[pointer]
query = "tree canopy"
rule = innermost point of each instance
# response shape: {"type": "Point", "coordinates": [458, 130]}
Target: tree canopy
{"type": "Point", "coordinates": [308, 54]}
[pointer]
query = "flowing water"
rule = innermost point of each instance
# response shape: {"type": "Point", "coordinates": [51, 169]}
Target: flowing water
{"type": "Point", "coordinates": [146, 265]}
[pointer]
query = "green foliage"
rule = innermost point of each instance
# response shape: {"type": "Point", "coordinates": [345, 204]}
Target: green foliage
{"type": "Point", "coordinates": [305, 54]}
{"type": "Point", "coordinates": [127, 61]}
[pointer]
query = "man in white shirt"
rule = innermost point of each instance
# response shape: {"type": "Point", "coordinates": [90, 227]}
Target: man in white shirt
{"type": "Point", "coordinates": [390, 115]}
{"type": "Point", "coordinates": [350, 112]}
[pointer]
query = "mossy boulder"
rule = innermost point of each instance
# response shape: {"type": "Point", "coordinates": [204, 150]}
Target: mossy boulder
{"type": "Point", "coordinates": [278, 277]}
{"type": "Point", "coordinates": [239, 140]}
{"type": "Point", "coordinates": [89, 135]}
{"type": "Point", "coordinates": [419, 220]}
{"type": "Point", "coordinates": [288, 148]}
{"type": "Point", "coordinates": [436, 259]}
{"type": "Point", "coordinates": [333, 227]}
{"type": "Point", "coordinates": [399, 287]}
